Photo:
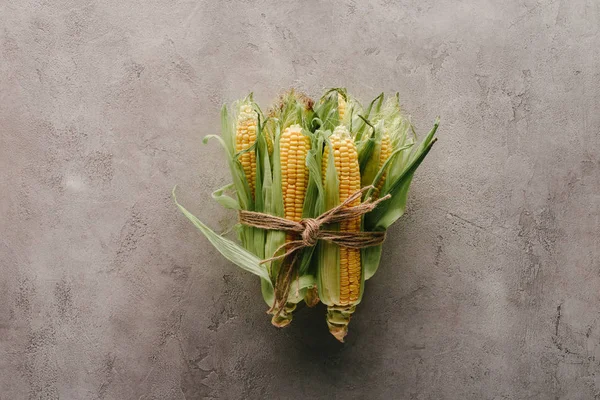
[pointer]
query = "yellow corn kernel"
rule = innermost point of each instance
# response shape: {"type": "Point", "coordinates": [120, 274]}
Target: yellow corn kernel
{"type": "Point", "coordinates": [341, 107]}
{"type": "Point", "coordinates": [245, 137]}
{"type": "Point", "coordinates": [384, 154]}
{"type": "Point", "coordinates": [294, 147]}
{"type": "Point", "coordinates": [269, 140]}
{"type": "Point", "coordinates": [348, 173]}
{"type": "Point", "coordinates": [269, 133]}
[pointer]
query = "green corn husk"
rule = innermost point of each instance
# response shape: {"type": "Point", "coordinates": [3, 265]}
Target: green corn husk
{"type": "Point", "coordinates": [328, 277]}
{"type": "Point", "coordinates": [315, 274]}
{"type": "Point", "coordinates": [293, 109]}
{"type": "Point", "coordinates": [328, 253]}
{"type": "Point", "coordinates": [400, 169]}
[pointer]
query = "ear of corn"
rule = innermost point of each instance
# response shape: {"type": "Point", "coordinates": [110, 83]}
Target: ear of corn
{"type": "Point", "coordinates": [244, 139]}
{"type": "Point", "coordinates": [381, 151]}
{"type": "Point", "coordinates": [293, 149]}
{"type": "Point", "coordinates": [390, 136]}
{"type": "Point", "coordinates": [294, 173]}
{"type": "Point", "coordinates": [341, 106]}
{"type": "Point", "coordinates": [269, 132]}
{"type": "Point", "coordinates": [275, 206]}
{"type": "Point", "coordinates": [384, 153]}
{"type": "Point", "coordinates": [291, 184]}
{"type": "Point", "coordinates": [341, 283]}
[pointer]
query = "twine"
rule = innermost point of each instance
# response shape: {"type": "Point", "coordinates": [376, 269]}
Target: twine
{"type": "Point", "coordinates": [310, 232]}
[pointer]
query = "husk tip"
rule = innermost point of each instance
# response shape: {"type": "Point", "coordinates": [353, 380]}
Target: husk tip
{"type": "Point", "coordinates": [282, 318]}
{"type": "Point", "coordinates": [338, 318]}
{"type": "Point", "coordinates": [311, 298]}
{"type": "Point", "coordinates": [281, 322]}
{"type": "Point", "coordinates": [338, 331]}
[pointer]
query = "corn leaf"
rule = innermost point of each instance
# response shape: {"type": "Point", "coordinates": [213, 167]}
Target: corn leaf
{"type": "Point", "coordinates": [327, 110]}
{"type": "Point", "coordinates": [230, 250]}
{"type": "Point", "coordinates": [275, 207]}
{"type": "Point", "coordinates": [228, 202]}
{"type": "Point", "coordinates": [383, 168]}
{"type": "Point", "coordinates": [267, 290]}
{"type": "Point", "coordinates": [329, 255]}
{"type": "Point", "coordinates": [314, 201]}
{"type": "Point", "coordinates": [366, 150]}
{"type": "Point", "coordinates": [262, 156]}
{"type": "Point", "coordinates": [370, 257]}
{"type": "Point", "coordinates": [364, 125]}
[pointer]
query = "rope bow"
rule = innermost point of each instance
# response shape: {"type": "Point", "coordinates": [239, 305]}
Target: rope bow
{"type": "Point", "coordinates": [310, 230]}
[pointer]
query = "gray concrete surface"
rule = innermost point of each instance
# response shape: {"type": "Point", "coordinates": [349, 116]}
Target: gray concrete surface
{"type": "Point", "coordinates": [490, 286]}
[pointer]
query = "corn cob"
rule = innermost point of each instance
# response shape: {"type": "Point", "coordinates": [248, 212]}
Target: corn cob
{"type": "Point", "coordinates": [269, 131]}
{"type": "Point", "coordinates": [294, 146]}
{"type": "Point", "coordinates": [341, 106]}
{"type": "Point", "coordinates": [245, 137]}
{"type": "Point", "coordinates": [341, 304]}
{"type": "Point", "coordinates": [269, 139]}
{"type": "Point", "coordinates": [384, 153]}
{"type": "Point", "coordinates": [378, 157]}
{"type": "Point", "coordinates": [293, 149]}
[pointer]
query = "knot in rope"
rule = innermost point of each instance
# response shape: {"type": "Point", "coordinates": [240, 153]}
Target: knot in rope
{"type": "Point", "coordinates": [310, 234]}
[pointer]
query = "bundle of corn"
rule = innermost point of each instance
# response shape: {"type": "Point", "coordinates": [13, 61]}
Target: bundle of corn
{"type": "Point", "coordinates": [316, 186]}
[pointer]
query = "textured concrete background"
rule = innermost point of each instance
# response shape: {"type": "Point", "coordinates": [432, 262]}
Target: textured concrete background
{"type": "Point", "coordinates": [489, 288]}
